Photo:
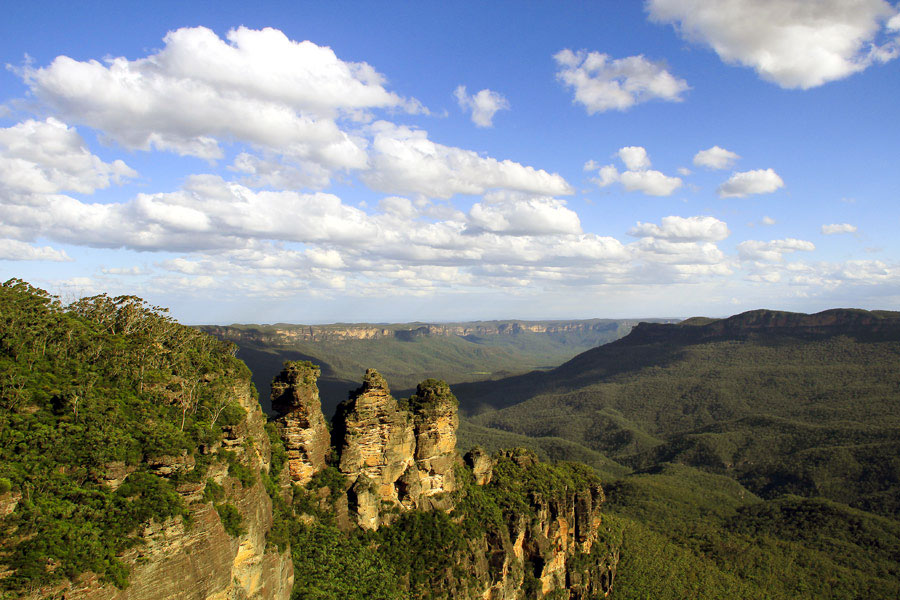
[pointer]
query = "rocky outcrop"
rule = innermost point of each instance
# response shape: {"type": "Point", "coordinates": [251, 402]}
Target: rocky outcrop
{"type": "Point", "coordinates": [553, 547]}
{"type": "Point", "coordinates": [398, 456]}
{"type": "Point", "coordinates": [201, 560]}
{"type": "Point", "coordinates": [301, 425]}
{"type": "Point", "coordinates": [393, 455]}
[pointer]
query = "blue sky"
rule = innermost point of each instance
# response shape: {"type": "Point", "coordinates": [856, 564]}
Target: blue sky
{"type": "Point", "coordinates": [321, 162]}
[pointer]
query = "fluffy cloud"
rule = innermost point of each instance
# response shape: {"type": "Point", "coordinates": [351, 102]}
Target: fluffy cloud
{"type": "Point", "coordinates": [652, 183]}
{"type": "Point", "coordinates": [715, 158]}
{"type": "Point", "coordinates": [638, 177]}
{"type": "Point", "coordinates": [683, 229]}
{"type": "Point", "coordinates": [16, 250]}
{"type": "Point", "coordinates": [405, 161]}
{"type": "Point", "coordinates": [772, 251]}
{"type": "Point", "coordinates": [45, 157]}
{"type": "Point", "coordinates": [518, 214]}
{"type": "Point", "coordinates": [760, 181]}
{"type": "Point", "coordinates": [483, 105]}
{"type": "Point", "coordinates": [634, 157]}
{"type": "Point", "coordinates": [602, 83]}
{"type": "Point", "coordinates": [255, 86]}
{"type": "Point", "coordinates": [794, 43]}
{"type": "Point", "coordinates": [208, 214]}
{"type": "Point", "coordinates": [838, 228]}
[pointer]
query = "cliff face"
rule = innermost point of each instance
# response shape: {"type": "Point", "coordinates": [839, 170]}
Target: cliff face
{"type": "Point", "coordinates": [394, 456]}
{"type": "Point", "coordinates": [202, 560]}
{"type": "Point", "coordinates": [285, 334]}
{"type": "Point", "coordinates": [301, 424]}
{"type": "Point", "coordinates": [553, 548]}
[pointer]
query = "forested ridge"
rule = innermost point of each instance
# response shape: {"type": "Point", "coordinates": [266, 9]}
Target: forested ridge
{"type": "Point", "coordinates": [756, 456]}
{"type": "Point", "coordinates": [90, 393]}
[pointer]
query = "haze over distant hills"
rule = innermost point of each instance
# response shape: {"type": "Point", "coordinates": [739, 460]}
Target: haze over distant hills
{"type": "Point", "coordinates": [406, 353]}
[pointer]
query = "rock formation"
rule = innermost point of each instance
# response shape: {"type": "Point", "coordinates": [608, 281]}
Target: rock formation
{"type": "Point", "coordinates": [399, 456]}
{"type": "Point", "coordinates": [301, 424]}
{"type": "Point", "coordinates": [202, 561]}
{"type": "Point", "coordinates": [395, 455]}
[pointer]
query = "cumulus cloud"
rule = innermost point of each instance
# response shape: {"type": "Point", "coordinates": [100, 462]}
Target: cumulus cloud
{"type": "Point", "coordinates": [519, 214]}
{"type": "Point", "coordinates": [684, 229]}
{"type": "Point", "coordinates": [482, 106]}
{"type": "Point", "coordinates": [746, 183]}
{"type": "Point", "coordinates": [255, 86]}
{"type": "Point", "coordinates": [45, 157]}
{"type": "Point", "coordinates": [715, 158]}
{"type": "Point", "coordinates": [639, 177]}
{"type": "Point", "coordinates": [16, 250]}
{"type": "Point", "coordinates": [652, 183]}
{"type": "Point", "coordinates": [207, 214]}
{"type": "Point", "coordinates": [772, 251]}
{"type": "Point", "coordinates": [836, 228]}
{"type": "Point", "coordinates": [405, 161]}
{"type": "Point", "coordinates": [602, 83]}
{"type": "Point", "coordinates": [634, 157]}
{"type": "Point", "coordinates": [766, 220]}
{"type": "Point", "coordinates": [793, 43]}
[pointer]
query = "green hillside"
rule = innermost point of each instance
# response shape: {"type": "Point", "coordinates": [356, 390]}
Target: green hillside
{"type": "Point", "coordinates": [408, 353]}
{"type": "Point", "coordinates": [764, 450]}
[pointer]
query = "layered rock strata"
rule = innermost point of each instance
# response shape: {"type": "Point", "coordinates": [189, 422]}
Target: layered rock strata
{"type": "Point", "coordinates": [301, 425]}
{"type": "Point", "coordinates": [396, 456]}
{"type": "Point", "coordinates": [202, 561]}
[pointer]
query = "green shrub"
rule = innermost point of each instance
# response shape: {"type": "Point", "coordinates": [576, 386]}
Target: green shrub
{"type": "Point", "coordinates": [231, 519]}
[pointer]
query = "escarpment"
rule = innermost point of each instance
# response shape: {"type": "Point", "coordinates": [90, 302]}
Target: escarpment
{"type": "Point", "coordinates": [509, 526]}
{"type": "Point", "coordinates": [216, 552]}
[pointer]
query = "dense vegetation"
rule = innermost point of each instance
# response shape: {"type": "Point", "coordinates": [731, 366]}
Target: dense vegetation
{"type": "Point", "coordinates": [421, 555]}
{"type": "Point", "coordinates": [763, 463]}
{"type": "Point", "coordinates": [92, 392]}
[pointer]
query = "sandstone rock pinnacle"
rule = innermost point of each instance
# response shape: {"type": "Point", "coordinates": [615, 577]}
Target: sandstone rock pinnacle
{"type": "Point", "coordinates": [302, 425]}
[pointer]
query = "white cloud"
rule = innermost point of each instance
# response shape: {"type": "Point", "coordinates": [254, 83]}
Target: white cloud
{"type": "Point", "coordinates": [519, 214]}
{"type": "Point", "coordinates": [16, 250]}
{"type": "Point", "coordinates": [275, 172]}
{"type": "Point", "coordinates": [715, 158]}
{"type": "Point", "coordinates": [45, 157]}
{"type": "Point", "coordinates": [199, 90]}
{"type": "Point", "coordinates": [772, 251]}
{"type": "Point", "coordinates": [838, 228]}
{"type": "Point", "coordinates": [602, 83]}
{"type": "Point", "coordinates": [608, 176]}
{"type": "Point", "coordinates": [398, 206]}
{"type": "Point", "coordinates": [634, 157]}
{"type": "Point", "coordinates": [684, 229]}
{"type": "Point", "coordinates": [760, 181]}
{"type": "Point", "coordinates": [766, 220]}
{"type": "Point", "coordinates": [638, 177]}
{"type": "Point", "coordinates": [591, 165]}
{"type": "Point", "coordinates": [652, 183]}
{"type": "Point", "coordinates": [405, 161]}
{"type": "Point", "coordinates": [794, 43]}
{"type": "Point", "coordinates": [483, 105]}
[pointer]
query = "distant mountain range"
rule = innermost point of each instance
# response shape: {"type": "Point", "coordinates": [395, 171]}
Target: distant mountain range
{"type": "Point", "coordinates": [406, 353]}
